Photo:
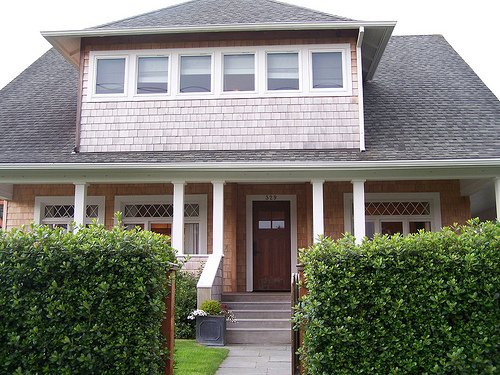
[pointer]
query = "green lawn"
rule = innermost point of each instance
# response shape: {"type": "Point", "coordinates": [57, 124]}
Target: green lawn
{"type": "Point", "coordinates": [191, 358]}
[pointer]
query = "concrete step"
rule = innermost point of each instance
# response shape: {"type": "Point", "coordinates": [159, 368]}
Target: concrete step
{"type": "Point", "coordinates": [258, 297]}
{"type": "Point", "coordinates": [260, 323]}
{"type": "Point", "coordinates": [262, 314]}
{"type": "Point", "coordinates": [263, 318]}
{"type": "Point", "coordinates": [258, 305]}
{"type": "Point", "coordinates": [257, 336]}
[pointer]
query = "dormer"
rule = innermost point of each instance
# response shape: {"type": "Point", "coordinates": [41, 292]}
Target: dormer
{"type": "Point", "coordinates": [223, 75]}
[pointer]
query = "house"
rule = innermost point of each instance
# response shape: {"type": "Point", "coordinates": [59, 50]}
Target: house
{"type": "Point", "coordinates": [245, 129]}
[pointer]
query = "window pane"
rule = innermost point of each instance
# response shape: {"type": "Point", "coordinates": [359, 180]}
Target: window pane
{"type": "Point", "coordinates": [390, 228]}
{"type": "Point", "coordinates": [370, 229]}
{"type": "Point", "coordinates": [152, 75]}
{"type": "Point", "coordinates": [278, 224]}
{"type": "Point", "coordinates": [282, 71]}
{"type": "Point", "coordinates": [327, 70]}
{"type": "Point", "coordinates": [195, 74]}
{"type": "Point", "coordinates": [415, 226]}
{"type": "Point", "coordinates": [239, 73]}
{"type": "Point", "coordinates": [192, 238]}
{"type": "Point", "coordinates": [162, 228]}
{"type": "Point", "coordinates": [264, 224]}
{"type": "Point", "coordinates": [110, 76]}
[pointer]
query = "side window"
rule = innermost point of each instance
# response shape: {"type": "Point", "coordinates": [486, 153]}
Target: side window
{"type": "Point", "coordinates": [60, 211]}
{"type": "Point", "coordinates": [282, 71]}
{"type": "Point", "coordinates": [392, 213]}
{"type": "Point", "coordinates": [155, 213]}
{"type": "Point", "coordinates": [152, 75]}
{"type": "Point", "coordinates": [196, 74]}
{"type": "Point", "coordinates": [110, 76]}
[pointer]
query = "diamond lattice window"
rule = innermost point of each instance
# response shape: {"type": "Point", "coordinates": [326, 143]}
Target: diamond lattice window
{"type": "Point", "coordinates": [57, 211]}
{"type": "Point", "coordinates": [397, 208]}
{"type": "Point", "coordinates": [191, 210]}
{"type": "Point", "coordinates": [159, 210]}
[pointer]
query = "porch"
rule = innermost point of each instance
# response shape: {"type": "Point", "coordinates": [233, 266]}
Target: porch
{"type": "Point", "coordinates": [246, 235]}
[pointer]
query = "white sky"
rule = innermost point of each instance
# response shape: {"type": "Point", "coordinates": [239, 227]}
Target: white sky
{"type": "Point", "coordinates": [471, 27]}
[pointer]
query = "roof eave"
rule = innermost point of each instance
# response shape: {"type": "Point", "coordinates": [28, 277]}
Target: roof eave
{"type": "Point", "coordinates": [67, 42]}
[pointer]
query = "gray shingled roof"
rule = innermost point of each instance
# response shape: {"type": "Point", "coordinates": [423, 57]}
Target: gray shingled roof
{"type": "Point", "coordinates": [424, 103]}
{"type": "Point", "coordinates": [224, 12]}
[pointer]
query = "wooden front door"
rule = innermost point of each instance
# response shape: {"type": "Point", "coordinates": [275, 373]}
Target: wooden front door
{"type": "Point", "coordinates": [271, 245]}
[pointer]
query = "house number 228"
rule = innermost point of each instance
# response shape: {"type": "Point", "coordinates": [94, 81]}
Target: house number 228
{"type": "Point", "coordinates": [271, 197]}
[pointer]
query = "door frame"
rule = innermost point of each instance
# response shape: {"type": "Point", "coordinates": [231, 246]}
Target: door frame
{"type": "Point", "coordinates": [249, 231]}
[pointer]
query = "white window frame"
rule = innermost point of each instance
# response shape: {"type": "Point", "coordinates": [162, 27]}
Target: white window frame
{"type": "Point", "coordinates": [93, 75]}
{"type": "Point", "coordinates": [217, 72]}
{"type": "Point", "coordinates": [301, 71]}
{"type": "Point", "coordinates": [255, 62]}
{"type": "Point", "coordinates": [434, 217]}
{"type": "Point", "coordinates": [135, 78]}
{"type": "Point", "coordinates": [212, 75]}
{"type": "Point", "coordinates": [344, 70]}
{"type": "Point", "coordinates": [201, 199]}
{"type": "Point", "coordinates": [42, 201]}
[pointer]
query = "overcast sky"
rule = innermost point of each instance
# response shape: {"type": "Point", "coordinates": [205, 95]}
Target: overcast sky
{"type": "Point", "coordinates": [471, 27]}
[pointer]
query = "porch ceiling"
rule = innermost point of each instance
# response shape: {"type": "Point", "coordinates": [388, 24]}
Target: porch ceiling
{"type": "Point", "coordinates": [249, 172]}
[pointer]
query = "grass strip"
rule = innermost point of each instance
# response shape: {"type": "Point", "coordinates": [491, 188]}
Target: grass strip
{"type": "Point", "coordinates": [191, 358]}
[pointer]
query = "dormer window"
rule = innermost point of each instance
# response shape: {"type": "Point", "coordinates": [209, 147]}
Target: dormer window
{"type": "Point", "coordinates": [239, 72]}
{"type": "Point", "coordinates": [196, 74]}
{"type": "Point", "coordinates": [110, 78]}
{"type": "Point", "coordinates": [283, 71]}
{"type": "Point", "coordinates": [152, 75]}
{"type": "Point", "coordinates": [220, 72]}
{"type": "Point", "coordinates": [327, 70]}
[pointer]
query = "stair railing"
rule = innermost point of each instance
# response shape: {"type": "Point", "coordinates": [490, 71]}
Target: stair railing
{"type": "Point", "coordinates": [210, 283]}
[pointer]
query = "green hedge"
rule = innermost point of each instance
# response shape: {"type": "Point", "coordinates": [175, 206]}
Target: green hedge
{"type": "Point", "coordinates": [422, 304]}
{"type": "Point", "coordinates": [88, 303]}
{"type": "Point", "coordinates": [185, 303]}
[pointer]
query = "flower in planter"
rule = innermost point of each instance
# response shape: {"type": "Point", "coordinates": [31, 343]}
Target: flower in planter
{"type": "Point", "coordinates": [211, 307]}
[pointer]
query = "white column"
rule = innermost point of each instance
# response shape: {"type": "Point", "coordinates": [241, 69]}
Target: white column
{"type": "Point", "coordinates": [218, 217]}
{"type": "Point", "coordinates": [497, 196]}
{"type": "Point", "coordinates": [80, 211]}
{"type": "Point", "coordinates": [178, 219]}
{"type": "Point", "coordinates": [358, 192]}
{"type": "Point", "coordinates": [318, 207]}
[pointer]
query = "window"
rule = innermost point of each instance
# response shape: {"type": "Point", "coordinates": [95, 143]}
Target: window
{"type": "Point", "coordinates": [327, 70]}
{"type": "Point", "coordinates": [155, 213]}
{"type": "Point", "coordinates": [110, 77]}
{"type": "Point", "coordinates": [220, 72]}
{"type": "Point", "coordinates": [196, 74]}
{"type": "Point", "coordinates": [152, 75]}
{"type": "Point", "coordinates": [59, 211]}
{"type": "Point", "coordinates": [396, 213]}
{"type": "Point", "coordinates": [239, 73]}
{"type": "Point", "coordinates": [282, 71]}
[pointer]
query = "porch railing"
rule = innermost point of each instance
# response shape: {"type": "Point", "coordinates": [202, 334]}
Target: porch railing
{"type": "Point", "coordinates": [210, 282]}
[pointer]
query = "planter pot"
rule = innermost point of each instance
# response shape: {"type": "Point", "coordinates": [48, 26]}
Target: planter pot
{"type": "Point", "coordinates": [211, 330]}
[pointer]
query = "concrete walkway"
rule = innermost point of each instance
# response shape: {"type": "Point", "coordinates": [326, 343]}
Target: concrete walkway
{"type": "Point", "coordinates": [246, 359]}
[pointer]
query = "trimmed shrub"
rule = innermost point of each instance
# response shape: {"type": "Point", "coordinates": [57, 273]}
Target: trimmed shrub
{"type": "Point", "coordinates": [211, 307]}
{"type": "Point", "coordinates": [185, 303]}
{"type": "Point", "coordinates": [422, 304]}
{"type": "Point", "coordinates": [83, 303]}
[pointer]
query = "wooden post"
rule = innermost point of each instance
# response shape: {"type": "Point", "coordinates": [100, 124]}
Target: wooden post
{"type": "Point", "coordinates": [167, 326]}
{"type": "Point", "coordinates": [302, 293]}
